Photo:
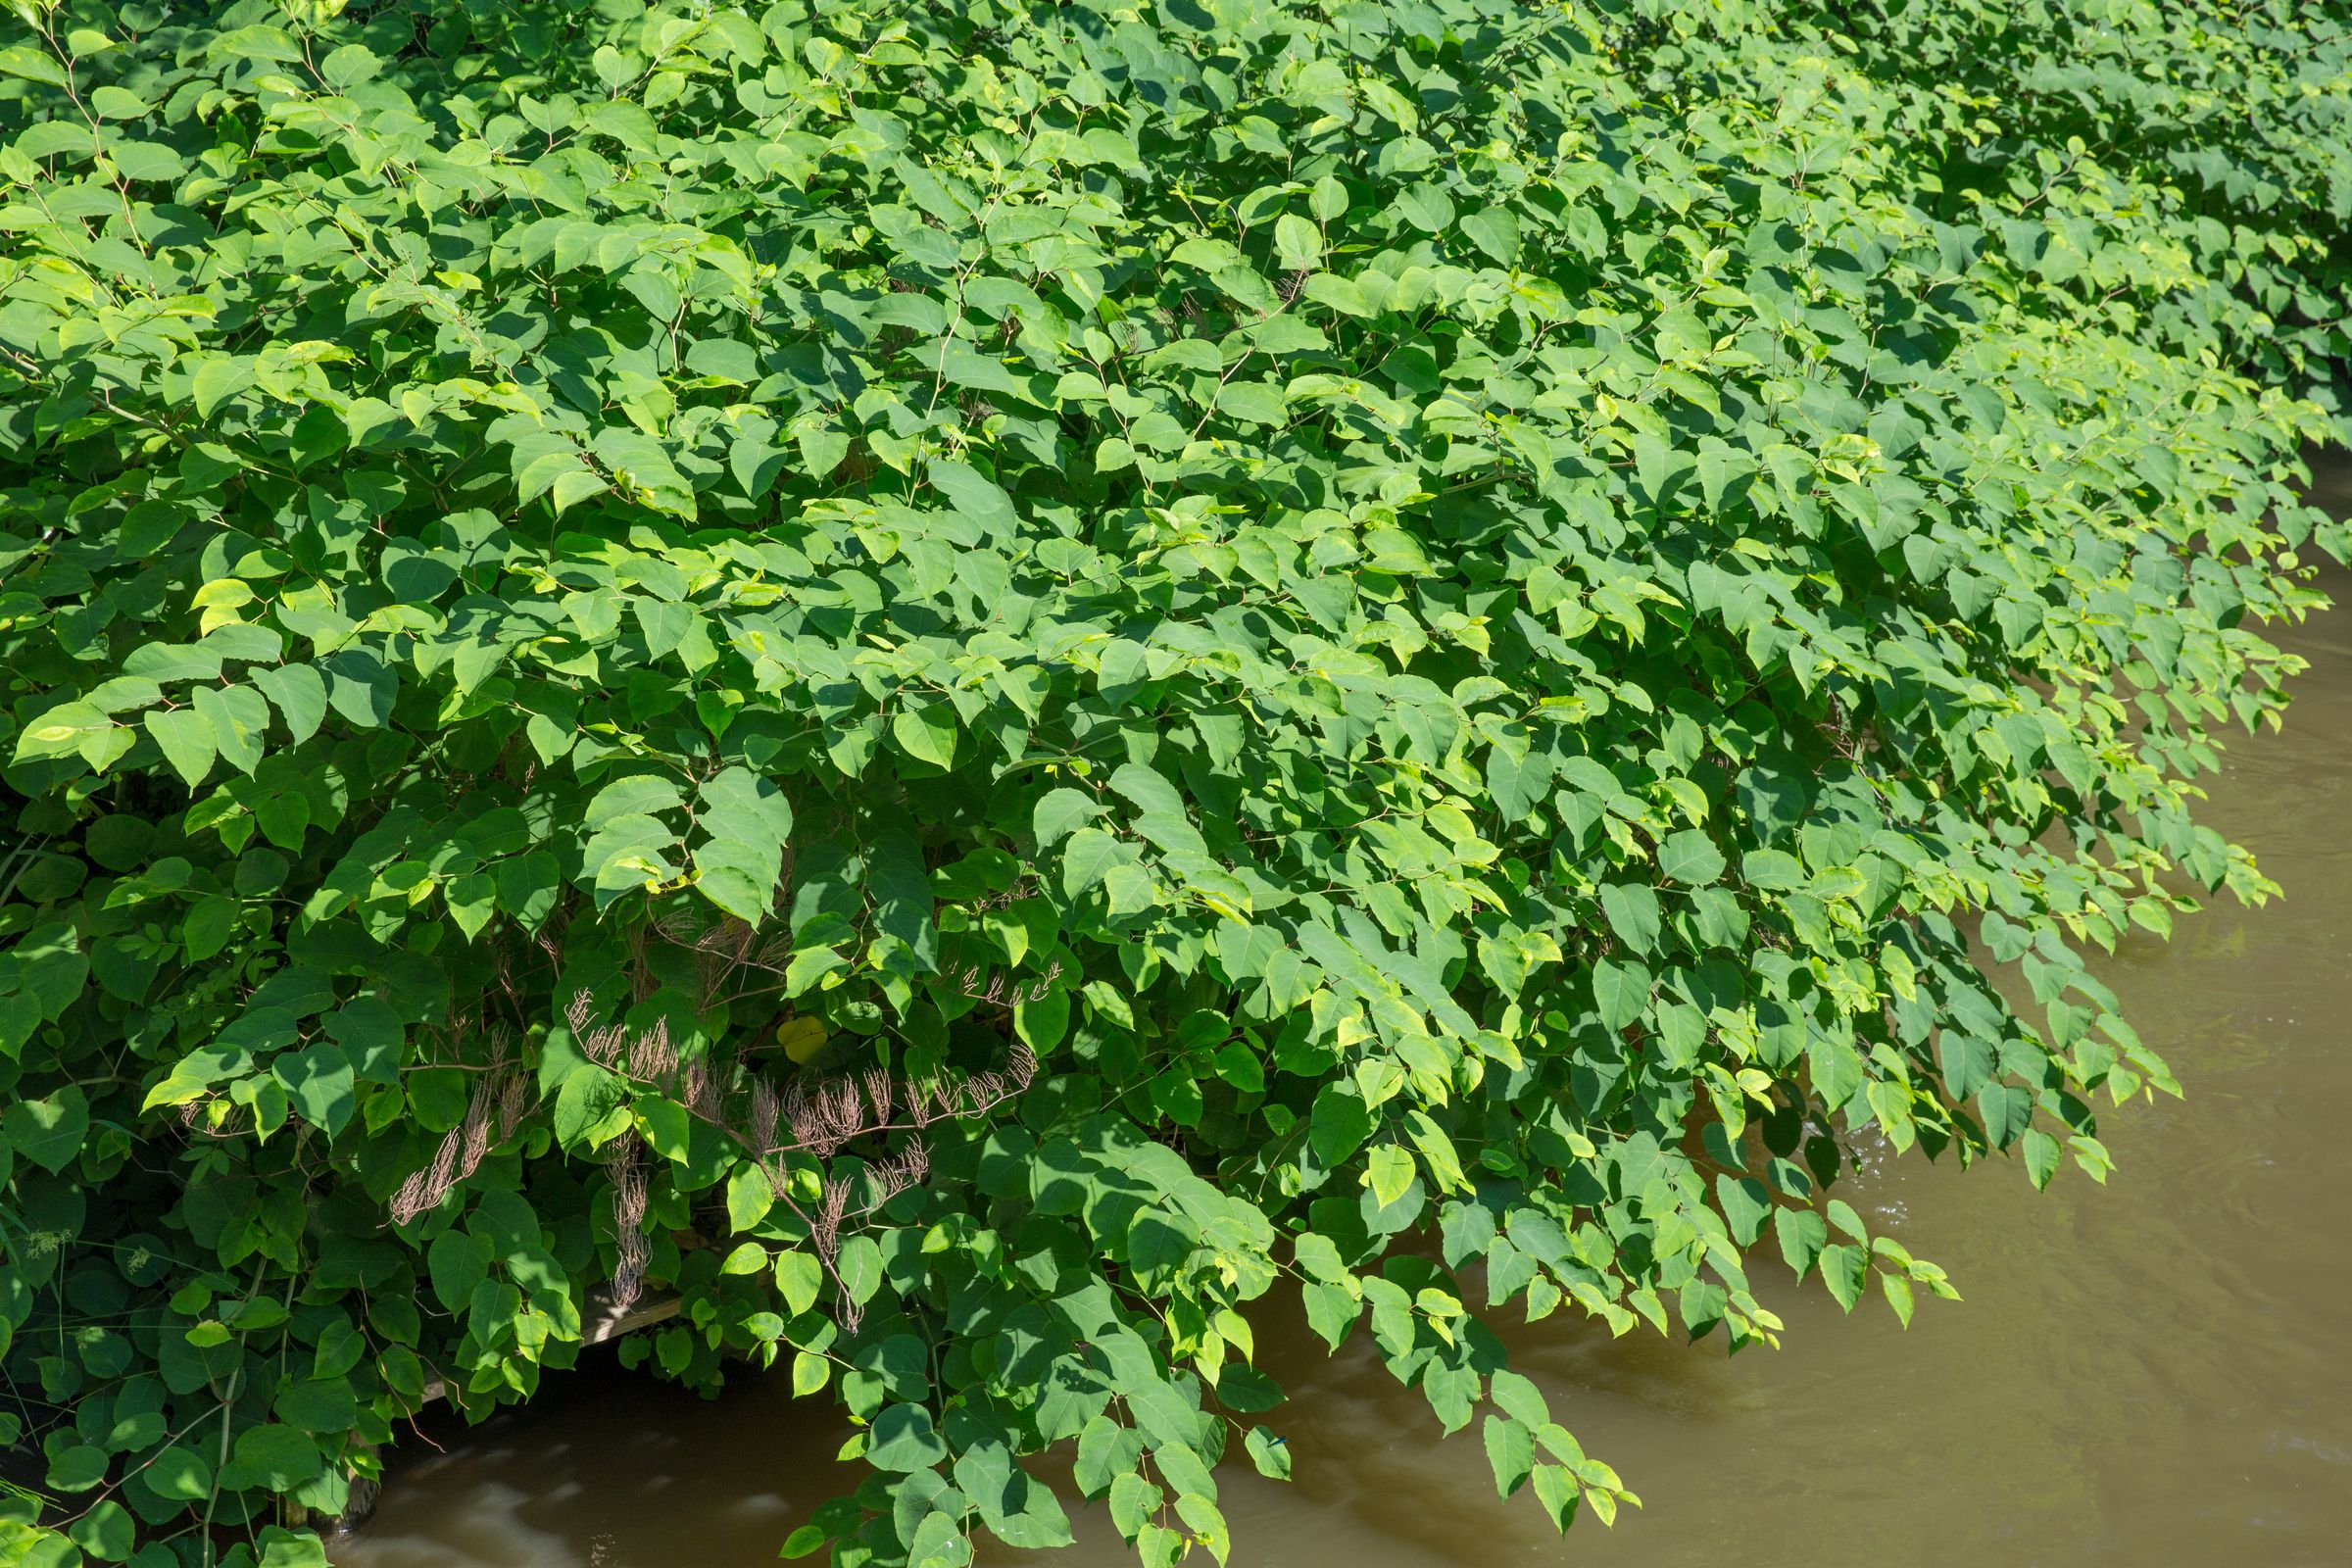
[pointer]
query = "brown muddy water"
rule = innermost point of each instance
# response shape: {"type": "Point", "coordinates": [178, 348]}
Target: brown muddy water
{"type": "Point", "coordinates": [2154, 1372]}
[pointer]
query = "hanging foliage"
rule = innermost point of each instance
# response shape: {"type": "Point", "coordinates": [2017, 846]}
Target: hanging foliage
{"type": "Point", "coordinates": [969, 682]}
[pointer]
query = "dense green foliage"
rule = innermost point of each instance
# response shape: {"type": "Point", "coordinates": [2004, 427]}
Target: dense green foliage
{"type": "Point", "coordinates": [968, 680]}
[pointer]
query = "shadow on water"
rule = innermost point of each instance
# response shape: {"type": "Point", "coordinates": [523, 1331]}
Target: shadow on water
{"type": "Point", "coordinates": [607, 1468]}
{"type": "Point", "coordinates": [2151, 1372]}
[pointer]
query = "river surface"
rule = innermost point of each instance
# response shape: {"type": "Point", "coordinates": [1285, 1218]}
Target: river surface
{"type": "Point", "coordinates": [2157, 1371]}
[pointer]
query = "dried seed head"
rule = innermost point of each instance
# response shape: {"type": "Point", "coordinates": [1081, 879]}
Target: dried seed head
{"type": "Point", "coordinates": [802, 1114]}
{"type": "Point", "coordinates": [477, 1138]}
{"type": "Point", "coordinates": [444, 1170]}
{"type": "Point", "coordinates": [410, 1201]}
{"type": "Point", "coordinates": [653, 1060]}
{"type": "Point", "coordinates": [905, 1169]}
{"type": "Point", "coordinates": [514, 1103]}
{"type": "Point", "coordinates": [825, 1229]}
{"type": "Point", "coordinates": [765, 1109]}
{"type": "Point", "coordinates": [632, 1253]}
{"type": "Point", "coordinates": [600, 1043]}
{"type": "Point", "coordinates": [696, 1089]}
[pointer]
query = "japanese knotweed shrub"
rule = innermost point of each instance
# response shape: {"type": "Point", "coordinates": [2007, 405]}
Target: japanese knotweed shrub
{"type": "Point", "coordinates": [2232, 121]}
{"type": "Point", "coordinates": [969, 682]}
